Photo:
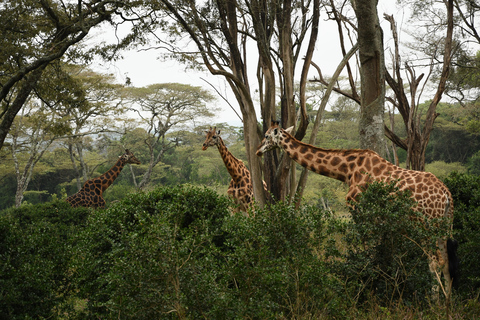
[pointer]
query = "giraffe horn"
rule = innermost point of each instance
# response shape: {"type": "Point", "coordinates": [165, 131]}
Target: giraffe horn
{"type": "Point", "coordinates": [274, 122]}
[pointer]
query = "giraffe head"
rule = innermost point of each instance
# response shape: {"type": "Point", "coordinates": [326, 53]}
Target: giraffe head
{"type": "Point", "coordinates": [128, 157]}
{"type": "Point", "coordinates": [212, 138]}
{"type": "Point", "coordinates": [272, 138]}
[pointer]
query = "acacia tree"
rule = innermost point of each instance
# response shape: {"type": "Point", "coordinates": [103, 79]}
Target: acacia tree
{"type": "Point", "coordinates": [32, 133]}
{"type": "Point", "coordinates": [92, 104]}
{"type": "Point", "coordinates": [224, 33]}
{"type": "Point", "coordinates": [37, 32]}
{"type": "Point", "coordinates": [438, 51]}
{"type": "Point", "coordinates": [463, 85]}
{"type": "Point", "coordinates": [163, 108]}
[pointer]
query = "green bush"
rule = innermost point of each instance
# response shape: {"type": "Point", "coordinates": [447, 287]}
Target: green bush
{"type": "Point", "coordinates": [275, 268]}
{"type": "Point", "coordinates": [465, 189]}
{"type": "Point", "coordinates": [382, 258]}
{"type": "Point", "coordinates": [179, 253]}
{"type": "Point", "coordinates": [152, 255]}
{"type": "Point", "coordinates": [35, 248]}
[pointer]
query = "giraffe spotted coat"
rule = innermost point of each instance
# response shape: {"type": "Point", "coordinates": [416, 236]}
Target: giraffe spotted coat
{"type": "Point", "coordinates": [91, 194]}
{"type": "Point", "coordinates": [359, 167]}
{"type": "Point", "coordinates": [240, 188]}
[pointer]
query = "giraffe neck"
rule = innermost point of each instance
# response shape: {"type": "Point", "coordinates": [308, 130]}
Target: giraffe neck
{"type": "Point", "coordinates": [334, 163]}
{"type": "Point", "coordinates": [108, 177]}
{"type": "Point", "coordinates": [231, 163]}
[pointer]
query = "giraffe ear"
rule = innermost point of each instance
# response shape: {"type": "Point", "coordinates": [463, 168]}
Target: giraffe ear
{"type": "Point", "coordinates": [289, 130]}
{"type": "Point", "coordinates": [218, 132]}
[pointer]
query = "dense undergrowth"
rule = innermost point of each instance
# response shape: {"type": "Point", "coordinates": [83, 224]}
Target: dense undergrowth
{"type": "Point", "coordinates": [178, 253]}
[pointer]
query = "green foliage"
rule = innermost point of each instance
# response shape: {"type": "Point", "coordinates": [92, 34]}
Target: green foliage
{"type": "Point", "coordinates": [178, 253]}
{"type": "Point", "coordinates": [383, 248]}
{"type": "Point", "coordinates": [442, 169]}
{"type": "Point", "coordinates": [465, 189]}
{"type": "Point", "coordinates": [449, 141]}
{"type": "Point", "coordinates": [35, 249]}
{"type": "Point", "coordinates": [7, 190]}
{"type": "Point", "coordinates": [118, 191]}
{"type": "Point", "coordinates": [150, 255]}
{"type": "Point", "coordinates": [274, 268]}
{"type": "Point", "coordinates": [473, 165]}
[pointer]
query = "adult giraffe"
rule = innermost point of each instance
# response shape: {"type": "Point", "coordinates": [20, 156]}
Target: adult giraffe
{"type": "Point", "coordinates": [240, 188]}
{"type": "Point", "coordinates": [358, 167]}
{"type": "Point", "coordinates": [91, 194]}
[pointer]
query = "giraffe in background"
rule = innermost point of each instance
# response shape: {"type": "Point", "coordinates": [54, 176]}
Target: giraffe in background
{"type": "Point", "coordinates": [240, 188]}
{"type": "Point", "coordinates": [91, 194]}
{"type": "Point", "coordinates": [359, 167]}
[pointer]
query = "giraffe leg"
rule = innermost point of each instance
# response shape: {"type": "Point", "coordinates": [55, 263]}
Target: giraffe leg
{"type": "Point", "coordinates": [101, 203]}
{"type": "Point", "coordinates": [433, 266]}
{"type": "Point", "coordinates": [443, 259]}
{"type": "Point", "coordinates": [439, 263]}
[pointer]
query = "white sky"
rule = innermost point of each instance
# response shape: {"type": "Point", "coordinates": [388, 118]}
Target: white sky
{"type": "Point", "coordinates": [145, 67]}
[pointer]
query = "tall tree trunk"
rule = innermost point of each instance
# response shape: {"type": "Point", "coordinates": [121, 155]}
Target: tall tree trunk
{"type": "Point", "coordinates": [372, 69]}
{"type": "Point", "coordinates": [75, 167]}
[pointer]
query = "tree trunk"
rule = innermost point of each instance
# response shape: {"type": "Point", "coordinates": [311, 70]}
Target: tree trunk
{"type": "Point", "coordinates": [370, 44]}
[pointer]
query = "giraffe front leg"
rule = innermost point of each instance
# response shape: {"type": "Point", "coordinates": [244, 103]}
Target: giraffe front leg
{"type": "Point", "coordinates": [438, 265]}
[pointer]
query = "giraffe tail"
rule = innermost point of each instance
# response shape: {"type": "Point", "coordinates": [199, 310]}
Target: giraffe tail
{"type": "Point", "coordinates": [453, 262]}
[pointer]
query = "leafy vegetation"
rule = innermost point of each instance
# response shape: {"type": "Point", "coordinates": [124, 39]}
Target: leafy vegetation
{"type": "Point", "coordinates": [35, 250]}
{"type": "Point", "coordinates": [177, 252]}
{"type": "Point", "coordinates": [465, 190]}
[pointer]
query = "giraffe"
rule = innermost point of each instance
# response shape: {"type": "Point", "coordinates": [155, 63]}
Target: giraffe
{"type": "Point", "coordinates": [240, 188]}
{"type": "Point", "coordinates": [91, 193]}
{"type": "Point", "coordinates": [358, 167]}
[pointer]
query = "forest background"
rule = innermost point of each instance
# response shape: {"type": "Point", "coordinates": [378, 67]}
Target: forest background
{"type": "Point", "coordinates": [452, 148]}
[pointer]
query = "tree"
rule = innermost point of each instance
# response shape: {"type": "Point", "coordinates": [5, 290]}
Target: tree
{"type": "Point", "coordinates": [163, 108]}
{"type": "Point", "coordinates": [36, 33]}
{"type": "Point", "coordinates": [223, 33]}
{"type": "Point", "coordinates": [32, 133]}
{"type": "Point", "coordinates": [93, 104]}
{"type": "Point", "coordinates": [418, 135]}
{"type": "Point", "coordinates": [372, 65]}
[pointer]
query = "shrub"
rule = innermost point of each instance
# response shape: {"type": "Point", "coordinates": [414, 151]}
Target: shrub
{"type": "Point", "coordinates": [35, 246]}
{"type": "Point", "coordinates": [274, 268]}
{"type": "Point", "coordinates": [179, 253]}
{"type": "Point", "coordinates": [152, 255]}
{"type": "Point", "coordinates": [383, 256]}
{"type": "Point", "coordinates": [465, 189]}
